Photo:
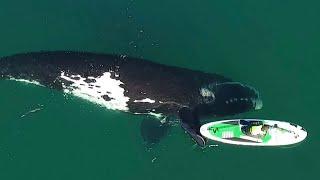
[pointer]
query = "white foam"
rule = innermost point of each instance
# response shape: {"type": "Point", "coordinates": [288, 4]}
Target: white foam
{"type": "Point", "coordinates": [103, 85]}
{"type": "Point", "coordinates": [146, 100]}
{"type": "Point", "coordinates": [26, 81]}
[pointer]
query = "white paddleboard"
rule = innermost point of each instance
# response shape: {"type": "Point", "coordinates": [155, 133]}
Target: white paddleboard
{"type": "Point", "coordinates": [254, 132]}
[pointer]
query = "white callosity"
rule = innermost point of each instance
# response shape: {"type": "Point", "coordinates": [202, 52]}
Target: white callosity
{"type": "Point", "coordinates": [94, 91]}
{"type": "Point", "coordinates": [146, 100]}
{"type": "Point", "coordinates": [207, 94]}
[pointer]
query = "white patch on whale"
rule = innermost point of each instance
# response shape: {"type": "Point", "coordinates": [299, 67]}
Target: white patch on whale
{"type": "Point", "coordinates": [146, 100]}
{"type": "Point", "coordinates": [159, 116]}
{"type": "Point", "coordinates": [26, 81]}
{"type": "Point", "coordinates": [206, 93]}
{"type": "Point", "coordinates": [103, 86]}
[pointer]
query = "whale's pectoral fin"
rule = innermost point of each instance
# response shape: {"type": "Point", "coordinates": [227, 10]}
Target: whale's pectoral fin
{"type": "Point", "coordinates": [153, 130]}
{"type": "Point", "coordinates": [191, 124]}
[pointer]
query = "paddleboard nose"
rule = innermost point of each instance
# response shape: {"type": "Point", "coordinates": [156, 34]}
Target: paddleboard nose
{"type": "Point", "coordinates": [302, 134]}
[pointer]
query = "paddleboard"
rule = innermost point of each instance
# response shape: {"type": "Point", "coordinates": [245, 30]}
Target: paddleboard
{"type": "Point", "coordinates": [254, 132]}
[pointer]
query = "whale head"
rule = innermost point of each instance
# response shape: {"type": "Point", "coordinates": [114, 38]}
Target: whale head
{"type": "Point", "coordinates": [229, 98]}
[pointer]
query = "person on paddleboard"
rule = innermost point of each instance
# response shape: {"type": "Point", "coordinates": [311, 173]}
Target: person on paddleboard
{"type": "Point", "coordinates": [254, 128]}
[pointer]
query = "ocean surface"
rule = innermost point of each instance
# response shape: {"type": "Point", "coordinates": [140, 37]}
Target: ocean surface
{"type": "Point", "coordinates": [272, 45]}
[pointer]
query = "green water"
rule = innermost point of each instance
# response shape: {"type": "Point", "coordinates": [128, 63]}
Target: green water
{"type": "Point", "coordinates": [272, 45]}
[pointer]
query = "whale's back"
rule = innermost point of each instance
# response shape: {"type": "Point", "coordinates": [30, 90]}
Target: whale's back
{"type": "Point", "coordinates": [115, 81]}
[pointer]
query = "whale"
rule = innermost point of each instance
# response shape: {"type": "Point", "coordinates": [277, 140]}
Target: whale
{"type": "Point", "coordinates": [161, 93]}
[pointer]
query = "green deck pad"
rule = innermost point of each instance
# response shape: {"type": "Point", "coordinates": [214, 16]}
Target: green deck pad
{"type": "Point", "coordinates": [218, 129]}
{"type": "Point", "coordinates": [266, 138]}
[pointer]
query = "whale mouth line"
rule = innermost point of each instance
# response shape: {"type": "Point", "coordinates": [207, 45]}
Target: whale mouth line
{"type": "Point", "coordinates": [257, 103]}
{"type": "Point", "coordinates": [253, 97]}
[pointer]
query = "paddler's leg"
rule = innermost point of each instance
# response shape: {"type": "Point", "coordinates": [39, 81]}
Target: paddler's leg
{"type": "Point", "coordinates": [191, 124]}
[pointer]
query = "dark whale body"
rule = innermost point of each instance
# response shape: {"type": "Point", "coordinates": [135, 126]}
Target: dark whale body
{"type": "Point", "coordinates": [134, 85]}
